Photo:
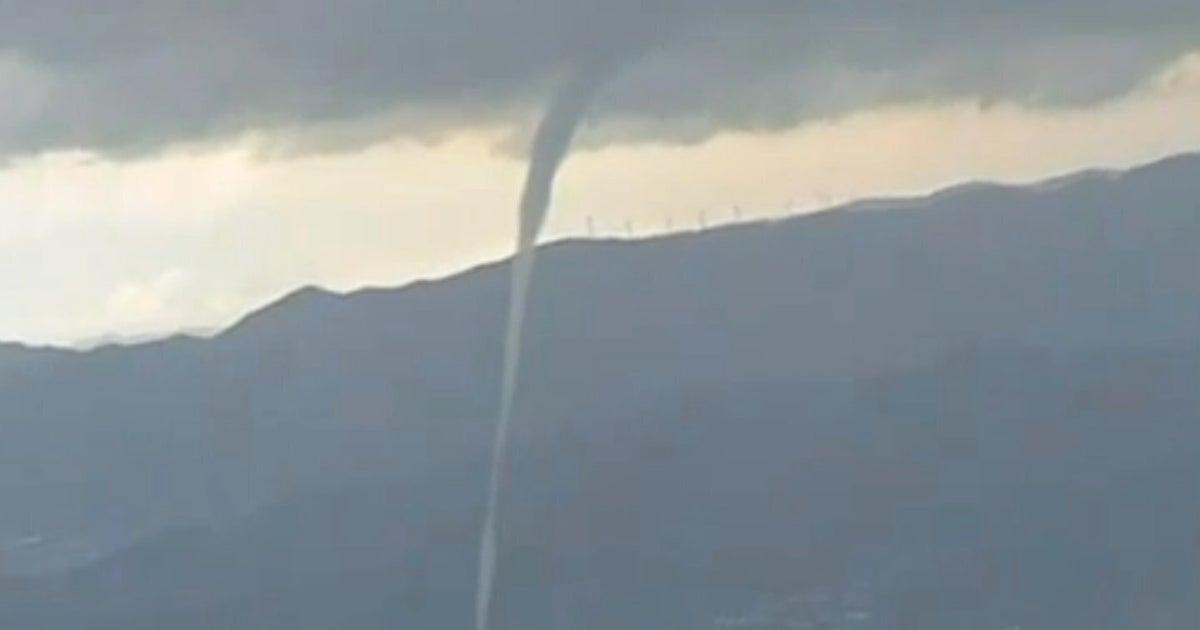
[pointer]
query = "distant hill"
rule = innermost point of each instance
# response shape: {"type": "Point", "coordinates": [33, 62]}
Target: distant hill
{"type": "Point", "coordinates": [93, 343]}
{"type": "Point", "coordinates": [390, 387]}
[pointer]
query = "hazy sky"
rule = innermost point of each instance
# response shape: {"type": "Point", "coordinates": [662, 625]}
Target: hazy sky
{"type": "Point", "coordinates": [173, 164]}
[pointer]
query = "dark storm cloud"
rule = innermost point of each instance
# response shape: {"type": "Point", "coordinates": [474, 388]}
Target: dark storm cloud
{"type": "Point", "coordinates": [136, 75]}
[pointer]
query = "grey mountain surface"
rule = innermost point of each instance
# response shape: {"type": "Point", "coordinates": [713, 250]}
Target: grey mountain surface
{"type": "Point", "coordinates": [993, 488]}
{"type": "Point", "coordinates": [732, 354]}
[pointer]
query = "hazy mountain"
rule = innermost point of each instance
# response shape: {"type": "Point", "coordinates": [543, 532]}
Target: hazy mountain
{"type": "Point", "coordinates": [137, 339]}
{"type": "Point", "coordinates": [396, 388]}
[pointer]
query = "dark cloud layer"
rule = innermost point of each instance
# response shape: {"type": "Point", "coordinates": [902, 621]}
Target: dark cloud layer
{"type": "Point", "coordinates": [136, 75]}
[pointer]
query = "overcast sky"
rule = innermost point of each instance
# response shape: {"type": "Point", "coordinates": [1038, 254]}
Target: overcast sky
{"type": "Point", "coordinates": [171, 164]}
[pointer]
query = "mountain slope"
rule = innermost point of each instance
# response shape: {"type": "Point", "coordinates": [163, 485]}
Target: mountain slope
{"type": "Point", "coordinates": [322, 391]}
{"type": "Point", "coordinates": [995, 488]}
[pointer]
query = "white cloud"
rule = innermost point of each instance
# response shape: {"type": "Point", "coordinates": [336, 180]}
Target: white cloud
{"type": "Point", "coordinates": [139, 305]}
{"type": "Point", "coordinates": [167, 302]}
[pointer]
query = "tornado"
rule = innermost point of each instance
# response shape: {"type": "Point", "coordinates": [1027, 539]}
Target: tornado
{"type": "Point", "coordinates": [550, 146]}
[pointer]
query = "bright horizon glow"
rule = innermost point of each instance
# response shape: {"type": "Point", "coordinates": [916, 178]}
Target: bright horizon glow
{"type": "Point", "coordinates": [197, 237]}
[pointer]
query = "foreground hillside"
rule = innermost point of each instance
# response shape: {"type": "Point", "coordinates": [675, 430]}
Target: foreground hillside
{"type": "Point", "coordinates": [993, 489]}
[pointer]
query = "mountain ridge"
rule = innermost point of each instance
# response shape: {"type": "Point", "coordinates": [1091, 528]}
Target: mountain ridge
{"type": "Point", "coordinates": [1187, 160]}
{"type": "Point", "coordinates": [380, 386]}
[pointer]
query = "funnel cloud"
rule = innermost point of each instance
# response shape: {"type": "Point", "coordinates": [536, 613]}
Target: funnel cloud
{"type": "Point", "coordinates": [550, 147]}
